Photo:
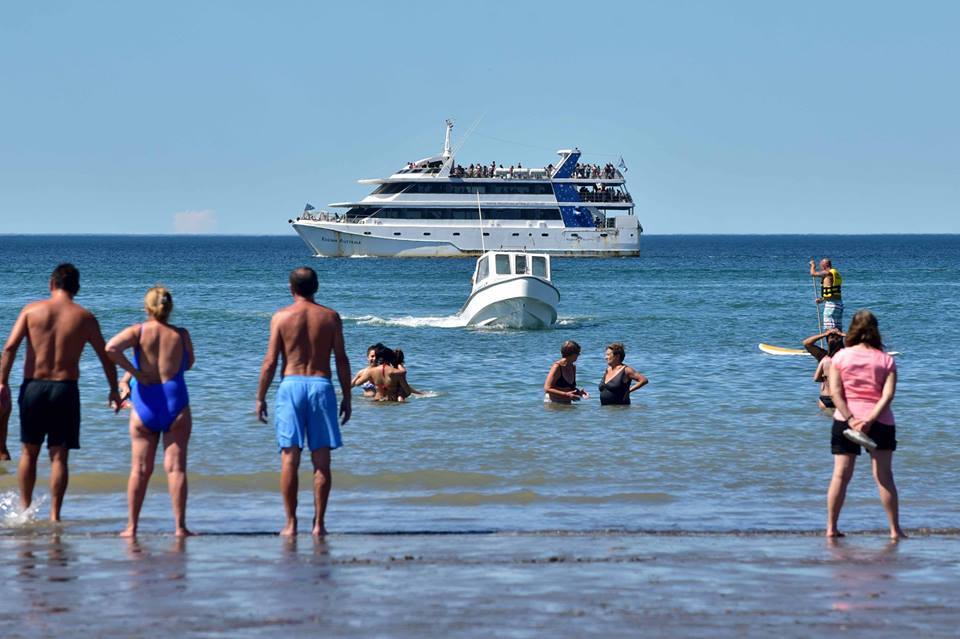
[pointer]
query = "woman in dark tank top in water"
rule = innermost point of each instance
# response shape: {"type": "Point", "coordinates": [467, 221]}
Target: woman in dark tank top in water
{"type": "Point", "coordinates": [560, 386]}
{"type": "Point", "coordinates": [615, 385]}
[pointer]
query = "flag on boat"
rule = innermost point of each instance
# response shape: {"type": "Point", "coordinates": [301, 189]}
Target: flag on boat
{"type": "Point", "coordinates": [622, 165]}
{"type": "Point", "coordinates": [308, 207]}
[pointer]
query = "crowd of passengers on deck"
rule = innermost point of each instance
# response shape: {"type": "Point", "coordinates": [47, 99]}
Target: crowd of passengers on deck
{"type": "Point", "coordinates": [595, 171]}
{"type": "Point", "coordinates": [601, 194]}
{"type": "Point", "coordinates": [589, 171]}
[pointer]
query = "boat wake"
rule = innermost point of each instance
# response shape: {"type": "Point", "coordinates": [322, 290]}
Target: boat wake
{"type": "Point", "coordinates": [450, 321]}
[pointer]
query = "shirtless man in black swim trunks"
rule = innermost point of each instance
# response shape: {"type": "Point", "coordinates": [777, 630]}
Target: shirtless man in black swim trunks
{"type": "Point", "coordinates": [57, 330]}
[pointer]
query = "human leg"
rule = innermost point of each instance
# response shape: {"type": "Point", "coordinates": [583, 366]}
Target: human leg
{"type": "Point", "coordinates": [322, 482]}
{"type": "Point", "coordinates": [883, 474]}
{"type": "Point", "coordinates": [27, 473]}
{"type": "Point", "coordinates": [289, 485]}
{"type": "Point", "coordinates": [5, 411]}
{"type": "Point", "coordinates": [175, 463]}
{"type": "Point", "coordinates": [143, 450]}
{"type": "Point", "coordinates": [843, 465]}
{"type": "Point", "coordinates": [59, 477]}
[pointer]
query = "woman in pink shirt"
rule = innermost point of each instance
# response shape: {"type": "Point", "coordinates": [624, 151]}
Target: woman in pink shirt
{"type": "Point", "coordinates": [863, 380]}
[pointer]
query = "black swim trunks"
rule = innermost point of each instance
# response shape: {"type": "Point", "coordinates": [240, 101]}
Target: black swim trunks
{"type": "Point", "coordinates": [884, 434]}
{"type": "Point", "coordinates": [827, 401]}
{"type": "Point", "coordinates": [52, 410]}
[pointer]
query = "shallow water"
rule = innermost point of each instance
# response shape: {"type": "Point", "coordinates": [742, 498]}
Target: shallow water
{"type": "Point", "coordinates": [500, 585]}
{"type": "Point", "coordinates": [724, 438]}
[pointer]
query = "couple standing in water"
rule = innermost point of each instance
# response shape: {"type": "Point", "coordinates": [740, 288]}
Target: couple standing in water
{"type": "Point", "coordinates": [616, 385]}
{"type": "Point", "coordinates": [385, 377]}
{"type": "Point", "coordinates": [57, 330]}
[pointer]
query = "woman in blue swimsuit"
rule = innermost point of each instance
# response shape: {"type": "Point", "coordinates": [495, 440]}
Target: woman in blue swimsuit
{"type": "Point", "coordinates": [162, 353]}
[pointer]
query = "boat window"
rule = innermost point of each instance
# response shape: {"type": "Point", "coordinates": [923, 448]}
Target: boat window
{"type": "Point", "coordinates": [483, 269]}
{"type": "Point", "coordinates": [521, 264]}
{"type": "Point", "coordinates": [471, 213]}
{"type": "Point", "coordinates": [540, 266]}
{"type": "Point", "coordinates": [503, 264]}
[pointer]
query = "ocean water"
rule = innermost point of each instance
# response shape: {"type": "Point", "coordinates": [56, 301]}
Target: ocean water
{"type": "Point", "coordinates": [478, 510]}
{"type": "Point", "coordinates": [724, 438]}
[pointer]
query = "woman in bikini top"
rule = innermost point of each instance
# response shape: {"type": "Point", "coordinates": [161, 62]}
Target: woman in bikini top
{"type": "Point", "coordinates": [162, 353]}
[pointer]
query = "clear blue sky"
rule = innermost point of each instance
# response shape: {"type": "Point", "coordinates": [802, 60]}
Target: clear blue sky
{"type": "Point", "coordinates": [733, 117]}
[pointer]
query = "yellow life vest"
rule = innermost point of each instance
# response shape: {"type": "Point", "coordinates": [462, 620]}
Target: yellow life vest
{"type": "Point", "coordinates": [832, 292]}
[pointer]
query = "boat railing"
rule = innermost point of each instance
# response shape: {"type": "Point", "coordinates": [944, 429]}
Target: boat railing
{"type": "Point", "coordinates": [322, 216]}
{"type": "Point", "coordinates": [604, 195]}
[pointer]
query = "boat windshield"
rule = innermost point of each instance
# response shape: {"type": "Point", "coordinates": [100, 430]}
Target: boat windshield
{"type": "Point", "coordinates": [539, 266]}
{"type": "Point", "coordinates": [483, 268]}
{"type": "Point", "coordinates": [521, 265]}
{"type": "Point", "coordinates": [502, 264]}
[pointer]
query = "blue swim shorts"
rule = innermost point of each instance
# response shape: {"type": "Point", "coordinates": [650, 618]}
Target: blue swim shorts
{"type": "Point", "coordinates": [833, 315]}
{"type": "Point", "coordinates": [306, 413]}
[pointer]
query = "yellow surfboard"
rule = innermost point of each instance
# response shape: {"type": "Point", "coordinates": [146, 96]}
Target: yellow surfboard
{"type": "Point", "coordinates": [770, 349]}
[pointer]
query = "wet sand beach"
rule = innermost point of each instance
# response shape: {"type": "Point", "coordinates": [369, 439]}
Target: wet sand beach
{"type": "Point", "coordinates": [480, 585]}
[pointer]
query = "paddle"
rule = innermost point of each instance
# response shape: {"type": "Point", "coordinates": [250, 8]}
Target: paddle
{"type": "Point", "coordinates": [815, 295]}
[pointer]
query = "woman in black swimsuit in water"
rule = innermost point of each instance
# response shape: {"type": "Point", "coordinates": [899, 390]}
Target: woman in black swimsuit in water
{"type": "Point", "coordinates": [561, 384]}
{"type": "Point", "coordinates": [615, 385]}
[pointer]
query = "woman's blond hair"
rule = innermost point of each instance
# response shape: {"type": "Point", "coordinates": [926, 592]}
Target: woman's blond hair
{"type": "Point", "coordinates": [158, 303]}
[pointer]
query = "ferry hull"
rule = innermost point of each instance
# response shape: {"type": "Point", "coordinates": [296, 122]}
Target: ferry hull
{"type": "Point", "coordinates": [332, 239]}
{"type": "Point", "coordinates": [520, 302]}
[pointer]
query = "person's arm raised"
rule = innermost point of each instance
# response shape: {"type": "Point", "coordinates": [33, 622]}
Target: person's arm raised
{"type": "Point", "coordinates": [269, 368]}
{"type": "Point", "coordinates": [343, 370]}
{"type": "Point", "coordinates": [95, 337]}
{"type": "Point", "coordinates": [17, 334]}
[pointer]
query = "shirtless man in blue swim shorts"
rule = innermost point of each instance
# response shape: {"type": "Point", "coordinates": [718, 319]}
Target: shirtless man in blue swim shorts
{"type": "Point", "coordinates": [304, 334]}
{"type": "Point", "coordinates": [57, 330]}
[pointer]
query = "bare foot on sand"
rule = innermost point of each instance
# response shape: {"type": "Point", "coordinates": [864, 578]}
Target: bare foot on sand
{"type": "Point", "coordinates": [319, 531]}
{"type": "Point", "coordinates": [129, 532]}
{"type": "Point", "coordinates": [897, 535]}
{"type": "Point", "coordinates": [290, 530]}
{"type": "Point", "coordinates": [835, 534]}
{"type": "Point", "coordinates": [183, 532]}
{"type": "Point", "coordinates": [4, 454]}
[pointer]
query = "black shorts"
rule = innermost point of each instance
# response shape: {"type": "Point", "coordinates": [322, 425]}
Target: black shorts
{"type": "Point", "coordinates": [827, 401]}
{"type": "Point", "coordinates": [52, 410]}
{"type": "Point", "coordinates": [884, 434]}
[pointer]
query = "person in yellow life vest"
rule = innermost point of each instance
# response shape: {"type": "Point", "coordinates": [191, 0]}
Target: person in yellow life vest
{"type": "Point", "coordinates": [830, 294]}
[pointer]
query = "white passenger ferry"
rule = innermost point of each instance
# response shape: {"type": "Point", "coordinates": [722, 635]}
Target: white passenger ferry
{"type": "Point", "coordinates": [437, 208]}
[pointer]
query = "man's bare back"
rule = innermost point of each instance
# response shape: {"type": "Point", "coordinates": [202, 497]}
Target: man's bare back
{"type": "Point", "coordinates": [57, 330]}
{"type": "Point", "coordinates": [307, 332]}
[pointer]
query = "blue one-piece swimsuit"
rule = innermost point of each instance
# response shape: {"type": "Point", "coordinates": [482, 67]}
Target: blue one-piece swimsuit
{"type": "Point", "coordinates": [158, 405]}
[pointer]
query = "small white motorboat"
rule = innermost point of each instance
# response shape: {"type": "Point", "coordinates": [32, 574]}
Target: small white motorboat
{"type": "Point", "coordinates": [512, 290]}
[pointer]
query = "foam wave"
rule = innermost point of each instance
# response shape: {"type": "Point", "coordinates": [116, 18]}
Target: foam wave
{"type": "Point", "coordinates": [10, 514]}
{"type": "Point", "coordinates": [449, 321]}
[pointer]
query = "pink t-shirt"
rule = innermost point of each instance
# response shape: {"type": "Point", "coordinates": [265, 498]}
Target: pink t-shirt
{"type": "Point", "coordinates": [863, 372]}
